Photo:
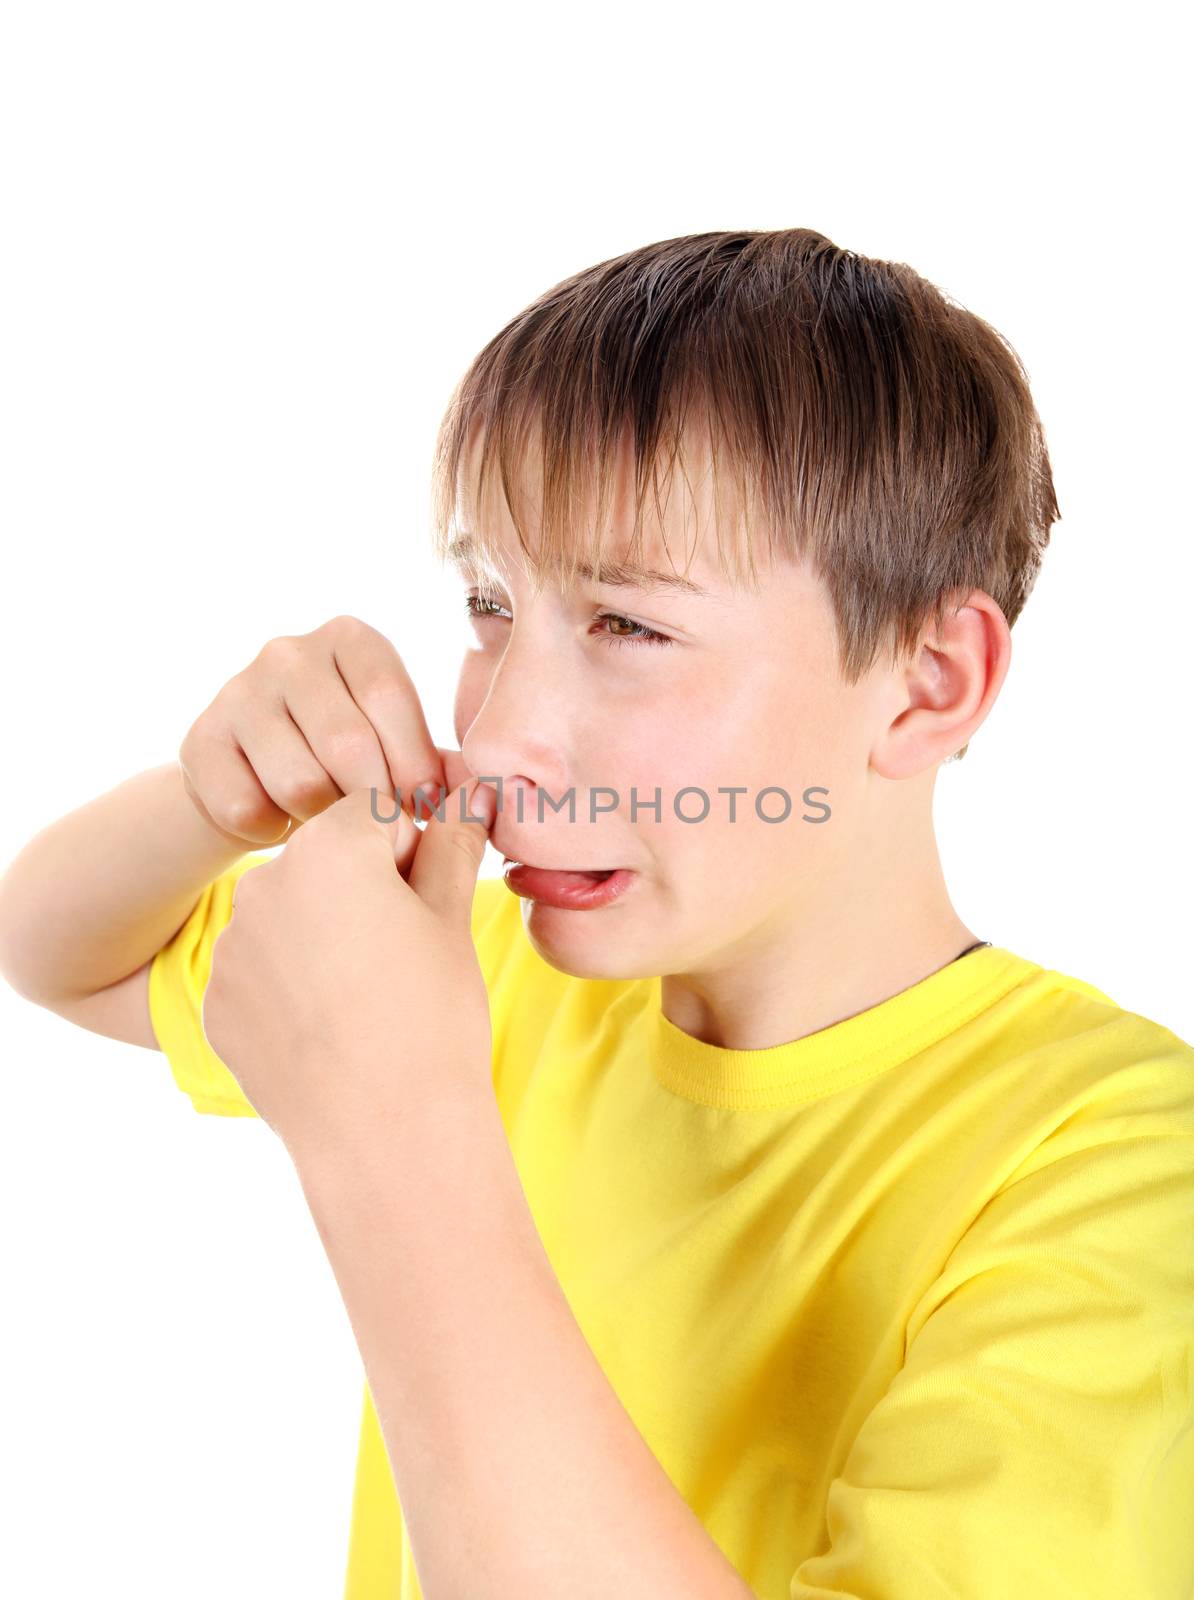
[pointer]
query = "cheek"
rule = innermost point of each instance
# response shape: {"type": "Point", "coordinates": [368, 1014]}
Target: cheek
{"type": "Point", "coordinates": [760, 737]}
{"type": "Point", "coordinates": [685, 757]}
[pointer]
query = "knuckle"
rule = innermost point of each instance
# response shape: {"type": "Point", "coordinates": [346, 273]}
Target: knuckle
{"type": "Point", "coordinates": [380, 689]}
{"type": "Point", "coordinates": [236, 812]}
{"type": "Point", "coordinates": [342, 626]}
{"type": "Point", "coordinates": [225, 710]}
{"type": "Point", "coordinates": [302, 792]}
{"type": "Point", "coordinates": [210, 722]}
{"type": "Point", "coordinates": [280, 653]}
{"type": "Point", "coordinates": [349, 743]}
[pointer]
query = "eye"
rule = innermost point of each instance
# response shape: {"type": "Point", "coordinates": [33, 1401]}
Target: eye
{"type": "Point", "coordinates": [642, 635]}
{"type": "Point", "coordinates": [479, 605]}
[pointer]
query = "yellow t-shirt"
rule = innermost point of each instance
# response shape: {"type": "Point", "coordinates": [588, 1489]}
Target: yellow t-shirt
{"type": "Point", "coordinates": [904, 1308]}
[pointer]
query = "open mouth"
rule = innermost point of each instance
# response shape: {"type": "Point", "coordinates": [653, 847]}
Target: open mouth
{"type": "Point", "coordinates": [568, 888]}
{"type": "Point", "coordinates": [598, 874]}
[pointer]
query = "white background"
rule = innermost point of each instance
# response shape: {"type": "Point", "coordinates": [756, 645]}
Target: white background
{"type": "Point", "coordinates": [248, 249]}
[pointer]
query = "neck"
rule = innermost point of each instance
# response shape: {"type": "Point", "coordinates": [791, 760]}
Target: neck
{"type": "Point", "coordinates": [877, 928]}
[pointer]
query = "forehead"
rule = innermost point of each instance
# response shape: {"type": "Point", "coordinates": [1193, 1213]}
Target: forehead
{"type": "Point", "coordinates": [467, 554]}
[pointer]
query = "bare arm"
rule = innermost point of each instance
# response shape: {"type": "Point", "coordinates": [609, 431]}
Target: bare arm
{"type": "Point", "coordinates": [93, 896]}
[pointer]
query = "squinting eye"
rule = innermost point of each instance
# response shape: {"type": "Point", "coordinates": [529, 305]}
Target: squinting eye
{"type": "Point", "coordinates": [644, 635]}
{"type": "Point", "coordinates": [479, 605]}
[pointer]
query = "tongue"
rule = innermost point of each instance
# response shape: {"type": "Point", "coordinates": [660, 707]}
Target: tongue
{"type": "Point", "coordinates": [559, 879]}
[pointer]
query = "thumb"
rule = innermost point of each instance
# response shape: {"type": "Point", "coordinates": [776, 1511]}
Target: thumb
{"type": "Point", "coordinates": [449, 854]}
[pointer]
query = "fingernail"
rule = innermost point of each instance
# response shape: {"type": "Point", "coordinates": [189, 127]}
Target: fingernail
{"type": "Point", "coordinates": [484, 802]}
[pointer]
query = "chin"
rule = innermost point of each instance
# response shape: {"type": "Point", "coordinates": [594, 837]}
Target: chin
{"type": "Point", "coordinates": [573, 943]}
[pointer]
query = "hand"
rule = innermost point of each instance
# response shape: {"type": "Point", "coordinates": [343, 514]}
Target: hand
{"type": "Point", "coordinates": [342, 990]}
{"type": "Point", "coordinates": [310, 719]}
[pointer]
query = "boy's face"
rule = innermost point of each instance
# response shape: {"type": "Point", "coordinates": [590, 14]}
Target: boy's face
{"type": "Point", "coordinates": [746, 694]}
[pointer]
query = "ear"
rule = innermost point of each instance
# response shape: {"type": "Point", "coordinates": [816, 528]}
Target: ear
{"type": "Point", "coordinates": [947, 688]}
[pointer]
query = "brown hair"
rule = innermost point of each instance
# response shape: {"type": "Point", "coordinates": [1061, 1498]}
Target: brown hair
{"type": "Point", "coordinates": [888, 433]}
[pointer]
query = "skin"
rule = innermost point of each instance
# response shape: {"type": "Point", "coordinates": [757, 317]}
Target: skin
{"type": "Point", "coordinates": [749, 923]}
{"type": "Point", "coordinates": [345, 953]}
{"type": "Point", "coordinates": [328, 995]}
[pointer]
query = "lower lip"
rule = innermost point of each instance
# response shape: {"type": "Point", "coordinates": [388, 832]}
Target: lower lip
{"type": "Point", "coordinates": [568, 891]}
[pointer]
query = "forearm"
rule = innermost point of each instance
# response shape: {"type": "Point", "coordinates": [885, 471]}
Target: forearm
{"type": "Point", "coordinates": [518, 1469]}
{"type": "Point", "coordinates": [96, 893]}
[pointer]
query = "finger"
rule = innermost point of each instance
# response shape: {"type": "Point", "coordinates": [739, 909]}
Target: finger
{"type": "Point", "coordinates": [456, 769]}
{"type": "Point", "coordinates": [379, 683]}
{"type": "Point", "coordinates": [444, 873]}
{"type": "Point", "coordinates": [286, 767]}
{"type": "Point", "coordinates": [456, 772]}
{"type": "Point", "coordinates": [406, 846]}
{"type": "Point", "coordinates": [402, 836]}
{"type": "Point", "coordinates": [224, 788]}
{"type": "Point", "coordinates": [338, 733]}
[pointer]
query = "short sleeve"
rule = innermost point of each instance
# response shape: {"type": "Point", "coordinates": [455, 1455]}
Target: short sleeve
{"type": "Point", "coordinates": [179, 973]}
{"type": "Point", "coordinates": [1039, 1436]}
{"type": "Point", "coordinates": [178, 977]}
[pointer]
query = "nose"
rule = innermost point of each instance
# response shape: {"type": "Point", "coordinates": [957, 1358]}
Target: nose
{"type": "Point", "coordinates": [520, 729]}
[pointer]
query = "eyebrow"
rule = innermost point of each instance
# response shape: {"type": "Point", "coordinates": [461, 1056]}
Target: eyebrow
{"type": "Point", "coordinates": [613, 574]}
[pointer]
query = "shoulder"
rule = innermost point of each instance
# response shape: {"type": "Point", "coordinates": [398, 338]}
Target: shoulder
{"type": "Point", "coordinates": [1060, 1016]}
{"type": "Point", "coordinates": [1095, 1092]}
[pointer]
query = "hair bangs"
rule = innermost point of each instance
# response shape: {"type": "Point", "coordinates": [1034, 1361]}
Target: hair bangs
{"type": "Point", "coordinates": [587, 477]}
{"type": "Point", "coordinates": [815, 403]}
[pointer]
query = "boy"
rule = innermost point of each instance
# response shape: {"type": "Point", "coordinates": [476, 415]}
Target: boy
{"type": "Point", "coordinates": [879, 1231]}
